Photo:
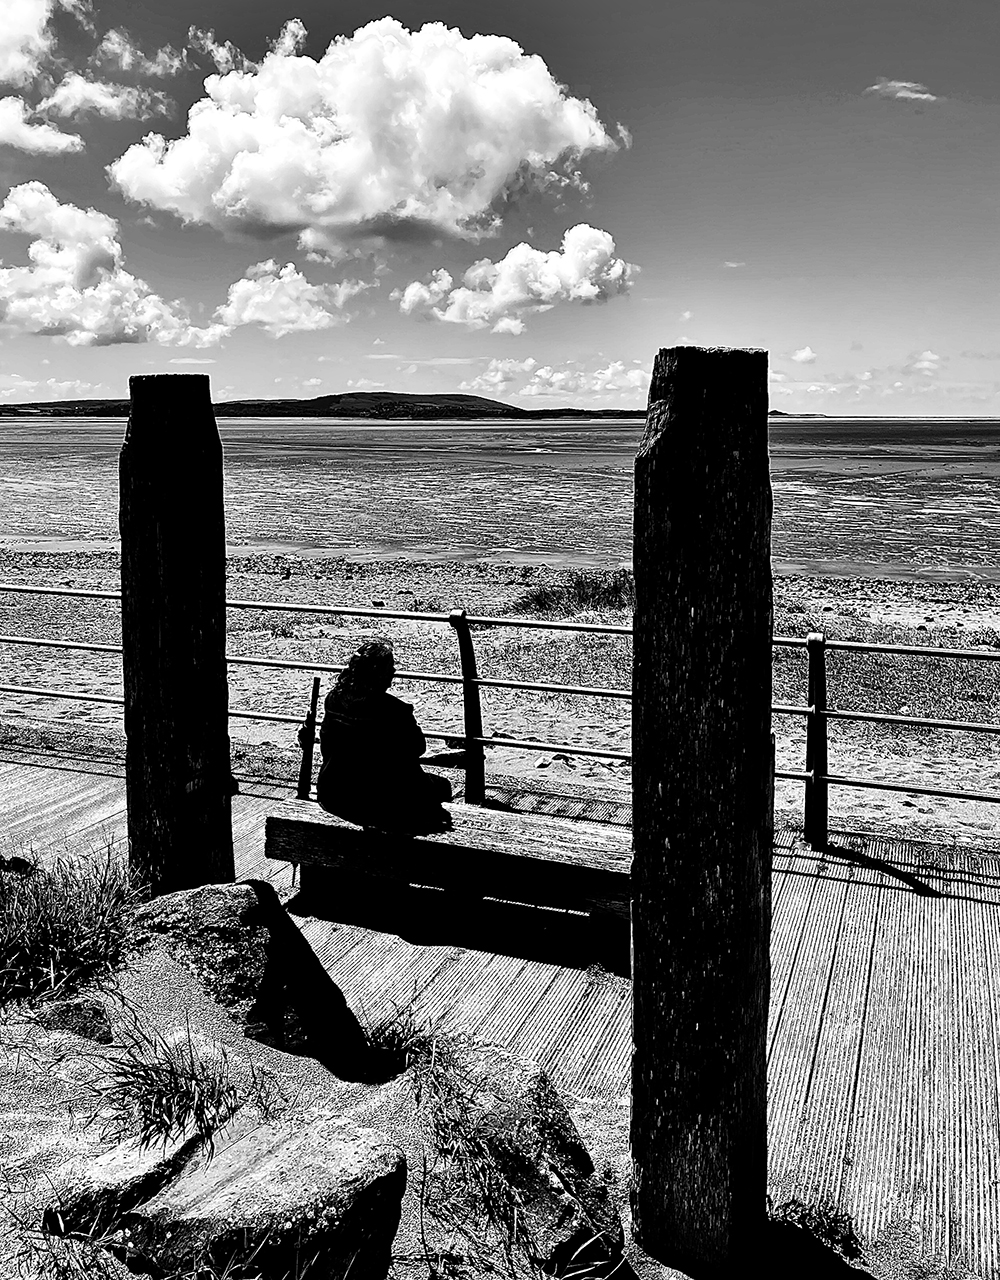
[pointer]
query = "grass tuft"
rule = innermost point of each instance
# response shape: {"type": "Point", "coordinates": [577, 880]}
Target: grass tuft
{"type": "Point", "coordinates": [166, 1088]}
{"type": "Point", "coordinates": [62, 927]}
{"type": "Point", "coordinates": [477, 1161]}
{"type": "Point", "coordinates": [584, 589]}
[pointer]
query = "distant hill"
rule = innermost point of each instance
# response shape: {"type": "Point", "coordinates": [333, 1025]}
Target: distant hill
{"type": "Point", "coordinates": [351, 404]}
{"type": "Point", "coordinates": [780, 413]}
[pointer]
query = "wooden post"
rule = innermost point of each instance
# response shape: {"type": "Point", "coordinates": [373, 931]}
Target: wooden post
{"type": "Point", "coordinates": [172, 521]}
{"type": "Point", "coordinates": [702, 778]}
{"type": "Point", "coordinates": [816, 817]}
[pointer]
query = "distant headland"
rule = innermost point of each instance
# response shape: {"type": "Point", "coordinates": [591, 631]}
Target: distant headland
{"type": "Point", "coordinates": [350, 404]}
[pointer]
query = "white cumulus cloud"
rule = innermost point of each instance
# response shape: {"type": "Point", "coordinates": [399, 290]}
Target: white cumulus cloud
{"type": "Point", "coordinates": [77, 287]}
{"type": "Point", "coordinates": [902, 90]}
{"type": "Point", "coordinates": [528, 378]}
{"type": "Point", "coordinates": [75, 95]}
{"type": "Point", "coordinates": [804, 355]}
{"type": "Point", "coordinates": [16, 130]}
{"type": "Point", "coordinates": [281, 300]}
{"type": "Point", "coordinates": [25, 39]}
{"type": "Point", "coordinates": [499, 375]}
{"type": "Point", "coordinates": [391, 133]}
{"type": "Point", "coordinates": [526, 280]}
{"type": "Point", "coordinates": [615, 377]}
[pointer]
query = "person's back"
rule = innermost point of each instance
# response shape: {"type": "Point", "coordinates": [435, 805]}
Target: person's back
{"type": "Point", "coordinates": [371, 746]}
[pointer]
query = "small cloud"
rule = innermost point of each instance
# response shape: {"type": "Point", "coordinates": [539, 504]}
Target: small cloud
{"type": "Point", "coordinates": [527, 280]}
{"type": "Point", "coordinates": [75, 95]}
{"type": "Point", "coordinates": [119, 50]}
{"type": "Point", "coordinates": [734, 264]}
{"type": "Point", "coordinates": [428, 360]}
{"type": "Point", "coordinates": [378, 342]}
{"type": "Point", "coordinates": [980, 355]}
{"type": "Point", "coordinates": [805, 355]}
{"type": "Point", "coordinates": [686, 315]}
{"type": "Point", "coordinates": [189, 360]}
{"type": "Point", "coordinates": [313, 382]}
{"type": "Point", "coordinates": [857, 346]}
{"type": "Point", "coordinates": [37, 139]}
{"type": "Point", "coordinates": [364, 384]}
{"type": "Point", "coordinates": [927, 363]}
{"type": "Point", "coordinates": [902, 90]}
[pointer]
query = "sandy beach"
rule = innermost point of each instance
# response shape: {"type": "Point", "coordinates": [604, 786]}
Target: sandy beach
{"type": "Point", "coordinates": [932, 613]}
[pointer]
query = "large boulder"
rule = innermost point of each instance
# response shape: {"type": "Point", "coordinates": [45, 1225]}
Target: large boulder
{"type": "Point", "coordinates": [248, 954]}
{"type": "Point", "coordinates": [521, 1146]}
{"type": "Point", "coordinates": [278, 1194]}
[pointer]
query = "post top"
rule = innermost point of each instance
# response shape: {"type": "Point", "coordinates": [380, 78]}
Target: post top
{"type": "Point", "coordinates": [180, 401]}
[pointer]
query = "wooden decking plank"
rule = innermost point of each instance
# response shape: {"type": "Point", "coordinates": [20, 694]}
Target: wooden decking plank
{"type": "Point", "coordinates": [798, 1029]}
{"type": "Point", "coordinates": [788, 924]}
{"type": "Point", "coordinates": [585, 1031]}
{"type": "Point", "coordinates": [891, 1106]}
{"type": "Point", "coordinates": [812, 1167]}
{"type": "Point", "coordinates": [548, 1017]}
{"type": "Point", "coordinates": [453, 988]}
{"type": "Point", "coordinates": [972, 1152]}
{"type": "Point", "coordinates": [504, 1020]}
{"type": "Point", "coordinates": [605, 1072]}
{"type": "Point", "coordinates": [472, 1007]}
{"type": "Point", "coordinates": [333, 943]}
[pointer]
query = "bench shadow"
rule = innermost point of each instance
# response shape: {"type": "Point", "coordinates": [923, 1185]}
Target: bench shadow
{"type": "Point", "coordinates": [427, 915]}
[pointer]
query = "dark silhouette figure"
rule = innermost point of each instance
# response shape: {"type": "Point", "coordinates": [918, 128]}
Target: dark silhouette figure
{"type": "Point", "coordinates": [371, 746]}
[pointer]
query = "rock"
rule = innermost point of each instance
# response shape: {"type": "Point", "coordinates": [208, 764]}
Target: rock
{"type": "Point", "coordinates": [278, 1194]}
{"type": "Point", "coordinates": [567, 1207]}
{"type": "Point", "coordinates": [218, 932]}
{"type": "Point", "coordinates": [569, 1211]}
{"type": "Point", "coordinates": [95, 1194]}
{"type": "Point", "coordinates": [82, 1016]}
{"type": "Point", "coordinates": [244, 948]}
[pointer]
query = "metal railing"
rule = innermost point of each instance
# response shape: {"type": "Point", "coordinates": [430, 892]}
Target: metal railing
{"type": "Point", "coordinates": [816, 776]}
{"type": "Point", "coordinates": [471, 735]}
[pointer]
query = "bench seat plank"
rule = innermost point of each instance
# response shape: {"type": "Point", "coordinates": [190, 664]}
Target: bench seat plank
{"type": "Point", "coordinates": [512, 857]}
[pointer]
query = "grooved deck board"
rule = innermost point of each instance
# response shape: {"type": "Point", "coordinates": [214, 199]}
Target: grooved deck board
{"type": "Point", "coordinates": [884, 1029]}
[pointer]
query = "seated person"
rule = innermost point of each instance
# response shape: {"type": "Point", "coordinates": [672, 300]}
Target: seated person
{"type": "Point", "coordinates": [371, 746]}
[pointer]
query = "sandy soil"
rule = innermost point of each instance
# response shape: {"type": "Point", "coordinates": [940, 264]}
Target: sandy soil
{"type": "Point", "coordinates": [964, 614]}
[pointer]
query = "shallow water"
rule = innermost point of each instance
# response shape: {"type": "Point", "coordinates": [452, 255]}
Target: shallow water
{"type": "Point", "coordinates": [900, 497]}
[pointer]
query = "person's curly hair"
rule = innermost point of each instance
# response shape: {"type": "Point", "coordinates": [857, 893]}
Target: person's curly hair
{"type": "Point", "coordinates": [369, 671]}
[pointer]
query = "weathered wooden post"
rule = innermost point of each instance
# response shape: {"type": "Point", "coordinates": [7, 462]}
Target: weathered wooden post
{"type": "Point", "coordinates": [172, 521]}
{"type": "Point", "coordinates": [701, 884]}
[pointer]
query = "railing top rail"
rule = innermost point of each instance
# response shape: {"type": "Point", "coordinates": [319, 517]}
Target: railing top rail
{"type": "Point", "coordinates": [284, 606]}
{"type": "Point", "coordinates": [536, 625]}
{"type": "Point", "coordinates": [19, 588]}
{"type": "Point", "coordinates": [918, 650]}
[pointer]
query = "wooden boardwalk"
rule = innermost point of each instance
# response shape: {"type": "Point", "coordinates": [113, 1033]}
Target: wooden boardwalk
{"type": "Point", "coordinates": [884, 1037]}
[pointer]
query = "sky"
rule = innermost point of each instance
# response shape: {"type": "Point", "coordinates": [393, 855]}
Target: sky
{"type": "Point", "coordinates": [524, 201]}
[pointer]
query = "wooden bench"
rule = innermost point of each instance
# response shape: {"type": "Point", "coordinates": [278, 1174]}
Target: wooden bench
{"type": "Point", "coordinates": [519, 884]}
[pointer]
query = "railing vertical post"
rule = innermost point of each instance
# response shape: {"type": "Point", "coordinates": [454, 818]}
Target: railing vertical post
{"type": "Point", "coordinates": [307, 740]}
{"type": "Point", "coordinates": [816, 817]}
{"type": "Point", "coordinates": [475, 756]}
{"type": "Point", "coordinates": [702, 769]}
{"type": "Point", "coordinates": [173, 572]}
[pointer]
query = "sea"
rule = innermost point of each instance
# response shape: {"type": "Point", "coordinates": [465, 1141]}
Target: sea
{"type": "Point", "coordinates": [883, 497]}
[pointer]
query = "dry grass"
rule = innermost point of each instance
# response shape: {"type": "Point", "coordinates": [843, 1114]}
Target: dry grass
{"type": "Point", "coordinates": [63, 927]}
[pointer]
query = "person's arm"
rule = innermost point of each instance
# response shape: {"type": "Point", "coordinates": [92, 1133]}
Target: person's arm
{"type": "Point", "coordinates": [409, 735]}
